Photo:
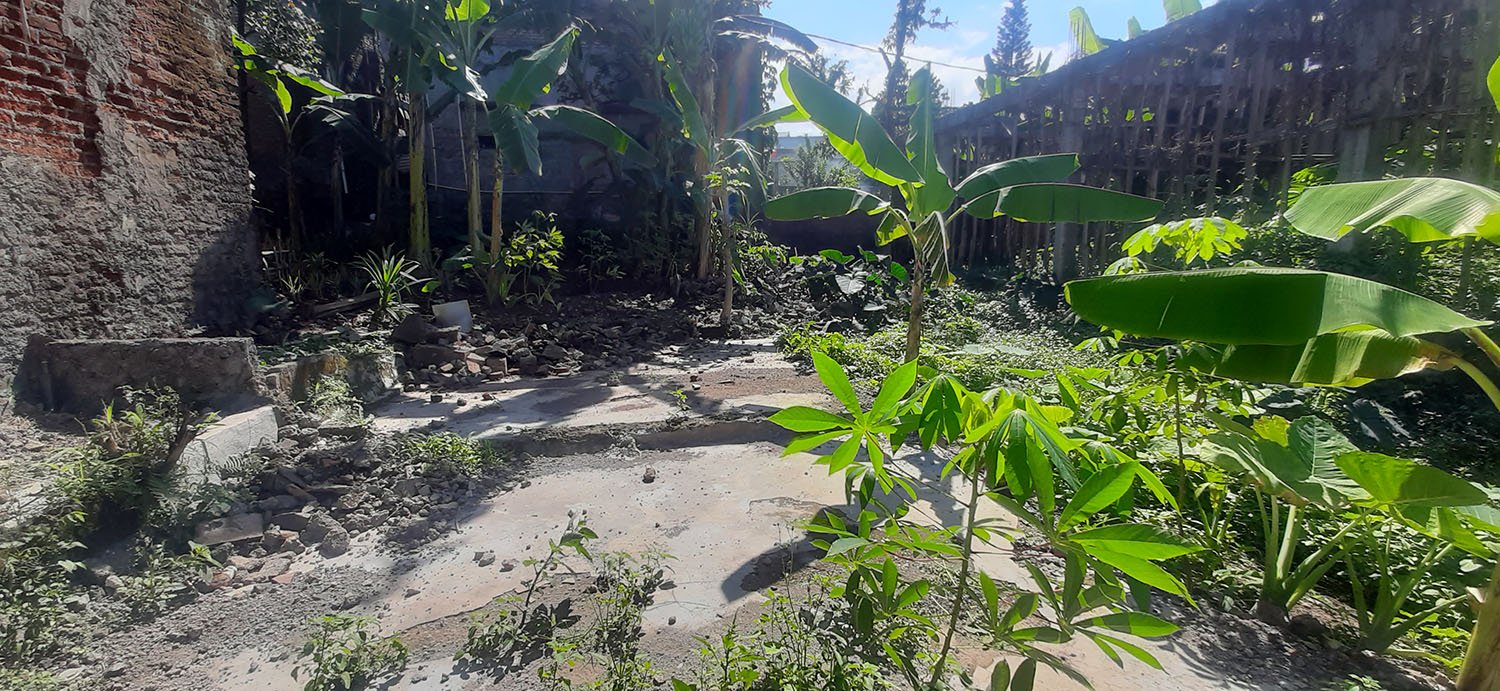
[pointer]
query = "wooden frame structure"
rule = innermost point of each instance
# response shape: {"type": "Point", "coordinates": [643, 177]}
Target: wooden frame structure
{"type": "Point", "coordinates": [1215, 113]}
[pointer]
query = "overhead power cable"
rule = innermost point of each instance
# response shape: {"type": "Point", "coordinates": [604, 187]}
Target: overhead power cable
{"type": "Point", "coordinates": [879, 51]}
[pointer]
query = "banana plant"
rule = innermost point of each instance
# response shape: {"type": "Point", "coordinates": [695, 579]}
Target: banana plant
{"type": "Point", "coordinates": [1027, 189]}
{"type": "Point", "coordinates": [734, 171]}
{"type": "Point", "coordinates": [329, 106]}
{"type": "Point", "coordinates": [514, 118]}
{"type": "Point", "coordinates": [424, 51]}
{"type": "Point", "coordinates": [1313, 327]}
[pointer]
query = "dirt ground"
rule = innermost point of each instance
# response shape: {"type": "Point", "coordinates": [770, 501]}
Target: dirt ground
{"type": "Point", "coordinates": [670, 456]}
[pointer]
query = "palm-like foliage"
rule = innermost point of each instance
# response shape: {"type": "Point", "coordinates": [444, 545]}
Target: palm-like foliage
{"type": "Point", "coordinates": [1028, 189]}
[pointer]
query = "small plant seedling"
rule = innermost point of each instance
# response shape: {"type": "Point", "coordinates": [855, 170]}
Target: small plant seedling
{"type": "Point", "coordinates": [342, 654]}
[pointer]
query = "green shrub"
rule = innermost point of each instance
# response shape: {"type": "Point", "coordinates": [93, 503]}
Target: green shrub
{"type": "Point", "coordinates": [342, 654]}
{"type": "Point", "coordinates": [450, 453]}
{"type": "Point", "coordinates": [334, 401]}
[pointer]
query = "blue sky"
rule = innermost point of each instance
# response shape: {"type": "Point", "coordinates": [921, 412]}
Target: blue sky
{"type": "Point", "coordinates": [972, 35]}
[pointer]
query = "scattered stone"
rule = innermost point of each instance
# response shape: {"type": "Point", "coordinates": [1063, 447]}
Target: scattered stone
{"type": "Point", "coordinates": [278, 503]}
{"type": "Point", "coordinates": [187, 634]}
{"type": "Point", "coordinates": [671, 621]}
{"type": "Point", "coordinates": [413, 330]}
{"type": "Point", "coordinates": [113, 583]}
{"type": "Point", "coordinates": [412, 592]}
{"type": "Point", "coordinates": [649, 476]}
{"type": "Point", "coordinates": [336, 542]}
{"type": "Point", "coordinates": [435, 398]}
{"type": "Point", "coordinates": [508, 565]}
{"type": "Point", "coordinates": [230, 529]}
{"type": "Point", "coordinates": [272, 568]}
{"type": "Point", "coordinates": [555, 352]}
{"type": "Point", "coordinates": [344, 430]}
{"type": "Point", "coordinates": [292, 520]}
{"type": "Point", "coordinates": [274, 540]}
{"type": "Point", "coordinates": [319, 527]}
{"type": "Point", "coordinates": [430, 355]}
{"type": "Point", "coordinates": [484, 558]}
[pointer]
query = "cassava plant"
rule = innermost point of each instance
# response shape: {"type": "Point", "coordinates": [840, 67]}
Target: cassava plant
{"type": "Point", "coordinates": [1027, 189]}
{"type": "Point", "coordinates": [1010, 455]}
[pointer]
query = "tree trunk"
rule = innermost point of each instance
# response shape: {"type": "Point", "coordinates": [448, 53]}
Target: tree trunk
{"type": "Point", "coordinates": [469, 120]}
{"type": "Point", "coordinates": [703, 227]}
{"type": "Point", "coordinates": [914, 318]}
{"type": "Point", "coordinates": [385, 183]}
{"type": "Point", "coordinates": [419, 244]}
{"type": "Point", "coordinates": [726, 315]}
{"type": "Point", "coordinates": [497, 232]}
{"type": "Point", "coordinates": [336, 188]}
{"type": "Point", "coordinates": [293, 201]}
{"type": "Point", "coordinates": [1481, 671]}
{"type": "Point", "coordinates": [497, 202]}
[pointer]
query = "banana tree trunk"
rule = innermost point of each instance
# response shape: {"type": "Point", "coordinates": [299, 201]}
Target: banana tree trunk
{"type": "Point", "coordinates": [497, 231]}
{"type": "Point", "coordinates": [726, 314]}
{"type": "Point", "coordinates": [1481, 671]}
{"type": "Point", "coordinates": [469, 112]}
{"type": "Point", "coordinates": [497, 201]}
{"type": "Point", "coordinates": [293, 199]}
{"type": "Point", "coordinates": [702, 209]}
{"type": "Point", "coordinates": [386, 182]}
{"type": "Point", "coordinates": [419, 238]}
{"type": "Point", "coordinates": [336, 187]}
{"type": "Point", "coordinates": [914, 318]}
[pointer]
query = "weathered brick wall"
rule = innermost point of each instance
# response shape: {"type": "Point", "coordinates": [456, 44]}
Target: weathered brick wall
{"type": "Point", "coordinates": [124, 196]}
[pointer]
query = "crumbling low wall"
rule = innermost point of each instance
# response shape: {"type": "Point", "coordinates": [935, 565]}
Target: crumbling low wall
{"type": "Point", "coordinates": [82, 376]}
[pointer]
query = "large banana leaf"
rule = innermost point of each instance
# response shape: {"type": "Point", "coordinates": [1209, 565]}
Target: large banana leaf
{"type": "Point", "coordinates": [1401, 482]}
{"type": "Point", "coordinates": [1053, 202]}
{"type": "Point", "coordinates": [1018, 171]}
{"type": "Point", "coordinates": [772, 117]}
{"type": "Point", "coordinates": [935, 194]}
{"type": "Point", "coordinates": [1255, 305]}
{"type": "Point", "coordinates": [597, 129]}
{"type": "Point", "coordinates": [466, 10]}
{"type": "Point", "coordinates": [1177, 9]}
{"type": "Point", "coordinates": [1494, 83]}
{"type": "Point", "coordinates": [1337, 359]}
{"type": "Point", "coordinates": [517, 137]}
{"type": "Point", "coordinates": [1301, 469]}
{"type": "Point", "coordinates": [822, 202]}
{"type": "Point", "coordinates": [765, 29]}
{"type": "Point", "coordinates": [1081, 28]}
{"type": "Point", "coordinates": [930, 237]}
{"type": "Point", "coordinates": [533, 75]}
{"type": "Point", "coordinates": [1422, 209]}
{"type": "Point", "coordinates": [853, 132]}
{"type": "Point", "coordinates": [694, 127]}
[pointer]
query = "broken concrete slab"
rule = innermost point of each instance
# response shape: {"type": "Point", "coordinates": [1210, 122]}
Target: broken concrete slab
{"type": "Point", "coordinates": [219, 447]}
{"type": "Point", "coordinates": [83, 376]}
{"type": "Point", "coordinates": [749, 384]}
{"type": "Point", "coordinates": [370, 376]}
{"type": "Point", "coordinates": [230, 529]}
